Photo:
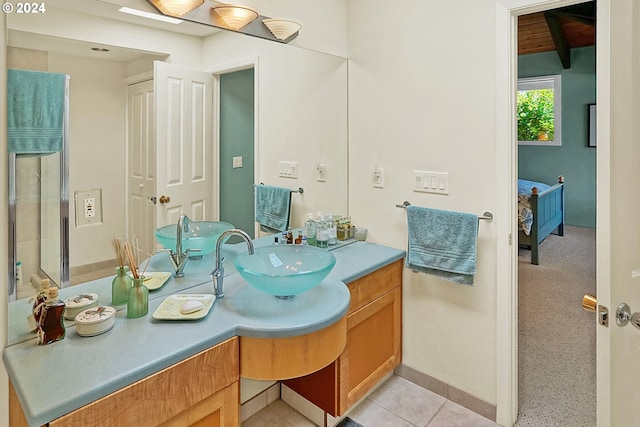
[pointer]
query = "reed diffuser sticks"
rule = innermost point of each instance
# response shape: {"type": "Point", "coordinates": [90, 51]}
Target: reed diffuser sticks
{"type": "Point", "coordinates": [120, 254]}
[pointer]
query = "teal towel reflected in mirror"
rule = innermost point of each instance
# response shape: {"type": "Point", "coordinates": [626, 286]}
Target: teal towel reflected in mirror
{"type": "Point", "coordinates": [442, 243]}
{"type": "Point", "coordinates": [273, 207]}
{"type": "Point", "coordinates": [35, 111]}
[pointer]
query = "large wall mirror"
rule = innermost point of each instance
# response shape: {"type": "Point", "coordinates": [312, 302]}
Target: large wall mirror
{"type": "Point", "coordinates": [300, 115]}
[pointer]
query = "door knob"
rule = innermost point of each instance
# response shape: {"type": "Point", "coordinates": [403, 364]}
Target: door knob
{"type": "Point", "coordinates": [589, 302]}
{"type": "Point", "coordinates": [164, 199]}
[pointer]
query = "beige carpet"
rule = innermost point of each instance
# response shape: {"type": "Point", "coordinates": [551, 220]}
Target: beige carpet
{"type": "Point", "coordinates": [557, 342]}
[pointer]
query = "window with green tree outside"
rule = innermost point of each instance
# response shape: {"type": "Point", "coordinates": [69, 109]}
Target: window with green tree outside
{"type": "Point", "coordinates": [538, 111]}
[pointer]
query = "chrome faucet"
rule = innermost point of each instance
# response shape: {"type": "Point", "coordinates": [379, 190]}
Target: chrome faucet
{"type": "Point", "coordinates": [179, 258]}
{"type": "Point", "coordinates": [218, 273]}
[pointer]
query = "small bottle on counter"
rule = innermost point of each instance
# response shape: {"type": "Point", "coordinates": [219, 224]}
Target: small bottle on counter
{"type": "Point", "coordinates": [120, 286]}
{"type": "Point", "coordinates": [298, 239]}
{"type": "Point", "coordinates": [138, 300]}
{"type": "Point", "coordinates": [310, 230]}
{"type": "Point", "coordinates": [331, 227]}
{"type": "Point", "coordinates": [283, 238]}
{"type": "Point", "coordinates": [38, 304]}
{"type": "Point", "coordinates": [275, 241]}
{"type": "Point", "coordinates": [51, 326]}
{"type": "Point", "coordinates": [322, 233]}
{"type": "Point", "coordinates": [289, 236]}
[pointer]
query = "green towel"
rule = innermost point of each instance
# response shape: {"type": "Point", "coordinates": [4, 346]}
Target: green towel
{"type": "Point", "coordinates": [35, 111]}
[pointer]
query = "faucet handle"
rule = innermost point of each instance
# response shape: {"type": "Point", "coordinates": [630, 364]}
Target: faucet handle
{"type": "Point", "coordinates": [188, 251]}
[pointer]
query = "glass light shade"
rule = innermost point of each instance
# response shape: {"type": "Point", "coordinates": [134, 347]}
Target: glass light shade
{"type": "Point", "coordinates": [281, 28]}
{"type": "Point", "coordinates": [235, 17]}
{"type": "Point", "coordinates": [176, 7]}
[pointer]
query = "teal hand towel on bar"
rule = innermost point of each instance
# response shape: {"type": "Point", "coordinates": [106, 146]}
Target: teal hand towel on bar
{"type": "Point", "coordinates": [273, 206]}
{"type": "Point", "coordinates": [35, 111]}
{"type": "Point", "coordinates": [442, 243]}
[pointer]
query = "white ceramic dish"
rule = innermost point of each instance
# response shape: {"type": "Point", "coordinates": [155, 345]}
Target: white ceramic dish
{"type": "Point", "coordinates": [77, 303]}
{"type": "Point", "coordinates": [171, 307]}
{"type": "Point", "coordinates": [155, 279]}
{"type": "Point", "coordinates": [95, 321]}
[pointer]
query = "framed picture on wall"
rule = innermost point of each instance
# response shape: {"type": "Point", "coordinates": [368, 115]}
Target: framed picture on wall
{"type": "Point", "coordinates": [592, 125]}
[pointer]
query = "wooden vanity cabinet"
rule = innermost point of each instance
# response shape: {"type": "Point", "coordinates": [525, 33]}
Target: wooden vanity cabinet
{"type": "Point", "coordinates": [374, 344]}
{"type": "Point", "coordinates": [202, 390]}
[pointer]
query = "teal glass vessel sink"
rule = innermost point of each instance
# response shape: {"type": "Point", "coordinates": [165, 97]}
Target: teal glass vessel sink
{"type": "Point", "coordinates": [202, 235]}
{"type": "Point", "coordinates": [285, 270]}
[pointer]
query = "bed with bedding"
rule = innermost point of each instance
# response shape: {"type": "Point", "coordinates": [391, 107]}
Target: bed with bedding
{"type": "Point", "coordinates": [540, 212]}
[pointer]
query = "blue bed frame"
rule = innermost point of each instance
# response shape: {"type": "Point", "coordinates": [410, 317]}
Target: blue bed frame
{"type": "Point", "coordinates": [548, 215]}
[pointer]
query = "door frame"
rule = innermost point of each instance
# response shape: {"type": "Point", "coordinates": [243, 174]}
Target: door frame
{"type": "Point", "coordinates": [217, 71]}
{"type": "Point", "coordinates": [507, 12]}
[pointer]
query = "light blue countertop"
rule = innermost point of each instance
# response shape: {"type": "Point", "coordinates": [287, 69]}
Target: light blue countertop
{"type": "Point", "coordinates": [82, 369]}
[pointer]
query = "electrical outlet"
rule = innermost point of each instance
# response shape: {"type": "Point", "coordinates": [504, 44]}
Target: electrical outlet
{"type": "Point", "coordinates": [89, 207]}
{"type": "Point", "coordinates": [321, 172]}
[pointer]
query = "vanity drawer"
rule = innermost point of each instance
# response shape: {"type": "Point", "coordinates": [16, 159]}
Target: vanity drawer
{"type": "Point", "coordinates": [374, 285]}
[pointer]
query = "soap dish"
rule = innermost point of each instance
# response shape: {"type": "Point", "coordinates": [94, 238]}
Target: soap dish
{"type": "Point", "coordinates": [77, 303]}
{"type": "Point", "coordinates": [171, 307]}
{"type": "Point", "coordinates": [95, 321]}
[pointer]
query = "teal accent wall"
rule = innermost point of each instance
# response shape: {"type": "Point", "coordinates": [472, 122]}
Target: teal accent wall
{"type": "Point", "coordinates": [575, 160]}
{"type": "Point", "coordinates": [237, 139]}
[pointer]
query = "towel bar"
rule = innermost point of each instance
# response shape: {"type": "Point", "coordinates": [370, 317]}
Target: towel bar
{"type": "Point", "coordinates": [299, 190]}
{"type": "Point", "coordinates": [486, 215]}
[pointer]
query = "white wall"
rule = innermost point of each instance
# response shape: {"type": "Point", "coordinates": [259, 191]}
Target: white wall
{"type": "Point", "coordinates": [324, 22]}
{"type": "Point", "coordinates": [301, 116]}
{"type": "Point", "coordinates": [422, 97]}
{"type": "Point", "coordinates": [96, 150]}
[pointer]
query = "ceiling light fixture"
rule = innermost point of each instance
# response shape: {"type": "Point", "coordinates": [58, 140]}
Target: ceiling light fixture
{"type": "Point", "coordinates": [281, 28]}
{"type": "Point", "coordinates": [234, 17]}
{"type": "Point", "coordinates": [149, 15]}
{"type": "Point", "coordinates": [176, 7]}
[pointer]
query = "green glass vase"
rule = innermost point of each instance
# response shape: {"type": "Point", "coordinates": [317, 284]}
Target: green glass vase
{"type": "Point", "coordinates": [138, 300]}
{"type": "Point", "coordinates": [120, 286]}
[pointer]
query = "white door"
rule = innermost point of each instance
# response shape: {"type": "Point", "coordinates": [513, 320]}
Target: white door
{"type": "Point", "coordinates": [141, 166]}
{"type": "Point", "coordinates": [618, 222]}
{"type": "Point", "coordinates": [184, 138]}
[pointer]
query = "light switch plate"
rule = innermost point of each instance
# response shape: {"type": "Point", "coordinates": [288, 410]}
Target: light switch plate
{"type": "Point", "coordinates": [321, 172]}
{"type": "Point", "coordinates": [288, 169]}
{"type": "Point", "coordinates": [237, 162]}
{"type": "Point", "coordinates": [431, 182]}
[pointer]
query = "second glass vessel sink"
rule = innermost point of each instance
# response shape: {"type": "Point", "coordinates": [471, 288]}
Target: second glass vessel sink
{"type": "Point", "coordinates": [202, 235]}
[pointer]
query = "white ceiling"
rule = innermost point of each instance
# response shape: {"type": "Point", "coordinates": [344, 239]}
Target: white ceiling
{"type": "Point", "coordinates": [106, 9]}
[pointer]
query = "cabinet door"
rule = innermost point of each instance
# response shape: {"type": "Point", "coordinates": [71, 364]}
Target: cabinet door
{"type": "Point", "coordinates": [373, 347]}
{"type": "Point", "coordinates": [168, 394]}
{"type": "Point", "coordinates": [219, 410]}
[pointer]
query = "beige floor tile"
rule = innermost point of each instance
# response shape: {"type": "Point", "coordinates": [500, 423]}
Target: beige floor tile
{"type": "Point", "coordinates": [267, 417]}
{"type": "Point", "coordinates": [453, 415]}
{"type": "Point", "coordinates": [291, 415]}
{"type": "Point", "coordinates": [370, 414]}
{"type": "Point", "coordinates": [408, 400]}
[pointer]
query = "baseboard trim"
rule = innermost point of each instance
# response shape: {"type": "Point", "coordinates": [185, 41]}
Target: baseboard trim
{"type": "Point", "coordinates": [447, 391]}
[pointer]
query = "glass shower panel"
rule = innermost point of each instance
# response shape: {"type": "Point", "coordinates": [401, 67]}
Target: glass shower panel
{"type": "Point", "coordinates": [50, 217]}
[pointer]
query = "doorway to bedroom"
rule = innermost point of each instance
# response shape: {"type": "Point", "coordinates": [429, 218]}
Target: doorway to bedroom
{"type": "Point", "coordinates": [556, 338]}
